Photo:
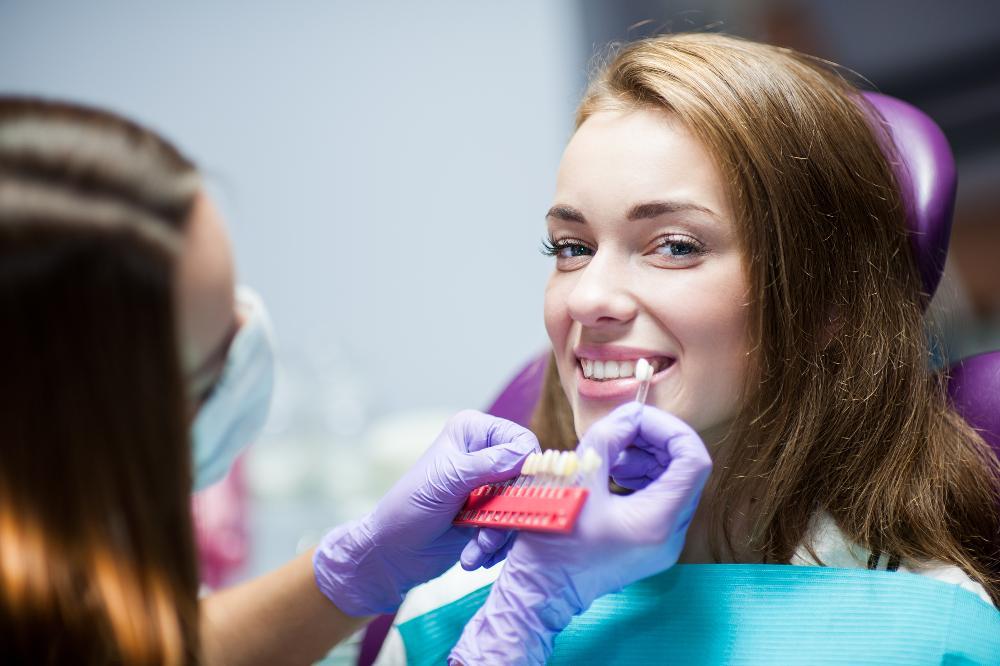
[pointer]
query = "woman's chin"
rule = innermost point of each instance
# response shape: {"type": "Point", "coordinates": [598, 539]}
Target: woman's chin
{"type": "Point", "coordinates": [585, 416]}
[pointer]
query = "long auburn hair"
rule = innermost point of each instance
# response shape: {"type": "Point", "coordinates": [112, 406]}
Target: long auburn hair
{"type": "Point", "coordinates": [97, 559]}
{"type": "Point", "coordinates": [841, 411]}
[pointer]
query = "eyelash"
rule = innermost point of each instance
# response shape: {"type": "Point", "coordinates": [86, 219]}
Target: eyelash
{"type": "Point", "coordinates": [552, 247]}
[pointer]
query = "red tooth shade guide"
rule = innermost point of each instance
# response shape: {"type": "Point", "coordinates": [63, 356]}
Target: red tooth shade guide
{"type": "Point", "coordinates": [547, 497]}
{"type": "Point", "coordinates": [538, 508]}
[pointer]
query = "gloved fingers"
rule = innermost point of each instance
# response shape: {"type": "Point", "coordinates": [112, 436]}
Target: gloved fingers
{"type": "Point", "coordinates": [632, 482]}
{"type": "Point", "coordinates": [666, 505]}
{"type": "Point", "coordinates": [654, 447]}
{"type": "Point", "coordinates": [488, 547]}
{"type": "Point", "coordinates": [491, 540]}
{"type": "Point", "coordinates": [475, 431]}
{"type": "Point", "coordinates": [608, 437]}
{"type": "Point", "coordinates": [634, 468]}
{"type": "Point", "coordinates": [496, 463]}
{"type": "Point", "coordinates": [498, 556]}
{"type": "Point", "coordinates": [688, 461]}
{"type": "Point", "coordinates": [496, 543]}
{"type": "Point", "coordinates": [473, 556]}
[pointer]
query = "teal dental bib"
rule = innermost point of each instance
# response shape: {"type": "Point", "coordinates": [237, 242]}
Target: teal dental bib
{"type": "Point", "coordinates": [755, 614]}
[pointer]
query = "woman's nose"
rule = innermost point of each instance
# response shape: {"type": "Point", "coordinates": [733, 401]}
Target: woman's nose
{"type": "Point", "coordinates": [601, 296]}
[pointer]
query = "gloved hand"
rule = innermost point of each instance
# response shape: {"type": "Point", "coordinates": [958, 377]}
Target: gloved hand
{"type": "Point", "coordinates": [366, 567]}
{"type": "Point", "coordinates": [634, 468]}
{"type": "Point", "coordinates": [548, 578]}
{"type": "Point", "coordinates": [639, 464]}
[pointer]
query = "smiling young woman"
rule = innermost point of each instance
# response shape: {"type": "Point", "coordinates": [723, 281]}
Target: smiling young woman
{"type": "Point", "coordinates": [726, 208]}
{"type": "Point", "coordinates": [648, 265]}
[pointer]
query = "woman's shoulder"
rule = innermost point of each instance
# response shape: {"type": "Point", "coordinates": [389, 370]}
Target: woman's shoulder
{"type": "Point", "coordinates": [826, 545]}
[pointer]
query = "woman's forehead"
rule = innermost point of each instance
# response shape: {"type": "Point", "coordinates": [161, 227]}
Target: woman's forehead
{"type": "Point", "coordinates": [618, 160]}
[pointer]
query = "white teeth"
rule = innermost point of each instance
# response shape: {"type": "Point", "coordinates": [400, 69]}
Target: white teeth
{"type": "Point", "coordinates": [613, 369]}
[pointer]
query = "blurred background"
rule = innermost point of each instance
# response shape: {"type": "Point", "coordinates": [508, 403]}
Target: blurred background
{"type": "Point", "coordinates": [385, 167]}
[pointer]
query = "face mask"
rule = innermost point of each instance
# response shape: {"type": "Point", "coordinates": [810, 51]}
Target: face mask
{"type": "Point", "coordinates": [235, 412]}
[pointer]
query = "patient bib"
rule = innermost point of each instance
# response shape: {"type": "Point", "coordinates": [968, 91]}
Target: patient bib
{"type": "Point", "coordinates": [755, 614]}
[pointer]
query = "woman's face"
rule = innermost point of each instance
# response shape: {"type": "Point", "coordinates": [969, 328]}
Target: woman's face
{"type": "Point", "coordinates": [648, 265]}
{"type": "Point", "coordinates": [207, 311]}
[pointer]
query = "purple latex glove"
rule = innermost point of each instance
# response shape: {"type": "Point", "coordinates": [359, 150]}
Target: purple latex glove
{"type": "Point", "coordinates": [366, 567]}
{"type": "Point", "coordinates": [640, 463]}
{"type": "Point", "coordinates": [549, 578]}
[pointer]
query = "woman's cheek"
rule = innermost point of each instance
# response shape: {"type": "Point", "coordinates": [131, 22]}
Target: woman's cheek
{"type": "Point", "coordinates": [557, 320]}
{"type": "Point", "coordinates": [558, 325]}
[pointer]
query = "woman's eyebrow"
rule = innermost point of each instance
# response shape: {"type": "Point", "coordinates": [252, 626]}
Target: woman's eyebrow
{"type": "Point", "coordinates": [641, 211]}
{"type": "Point", "coordinates": [566, 213]}
{"type": "Point", "coordinates": [650, 209]}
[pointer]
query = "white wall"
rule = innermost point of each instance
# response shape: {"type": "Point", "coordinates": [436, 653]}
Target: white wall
{"type": "Point", "coordinates": [384, 166]}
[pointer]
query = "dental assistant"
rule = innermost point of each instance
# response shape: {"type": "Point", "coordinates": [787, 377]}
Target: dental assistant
{"type": "Point", "coordinates": [137, 371]}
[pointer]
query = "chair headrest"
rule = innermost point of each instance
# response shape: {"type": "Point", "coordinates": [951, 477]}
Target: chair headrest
{"type": "Point", "coordinates": [517, 400]}
{"type": "Point", "coordinates": [974, 389]}
{"type": "Point", "coordinates": [925, 169]}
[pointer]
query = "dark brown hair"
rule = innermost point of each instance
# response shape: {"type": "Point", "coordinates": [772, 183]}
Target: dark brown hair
{"type": "Point", "coordinates": [97, 559]}
{"type": "Point", "coordinates": [841, 412]}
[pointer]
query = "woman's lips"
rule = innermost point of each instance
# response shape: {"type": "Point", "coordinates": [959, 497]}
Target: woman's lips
{"type": "Point", "coordinates": [612, 389]}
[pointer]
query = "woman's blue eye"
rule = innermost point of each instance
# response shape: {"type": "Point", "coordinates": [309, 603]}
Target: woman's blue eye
{"type": "Point", "coordinates": [565, 249]}
{"type": "Point", "coordinates": [678, 248]}
{"type": "Point", "coordinates": [574, 250]}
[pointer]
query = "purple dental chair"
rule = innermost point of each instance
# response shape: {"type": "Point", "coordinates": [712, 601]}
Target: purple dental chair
{"type": "Point", "coordinates": [925, 169]}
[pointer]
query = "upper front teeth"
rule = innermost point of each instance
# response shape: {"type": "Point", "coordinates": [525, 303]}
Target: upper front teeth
{"type": "Point", "coordinates": [607, 369]}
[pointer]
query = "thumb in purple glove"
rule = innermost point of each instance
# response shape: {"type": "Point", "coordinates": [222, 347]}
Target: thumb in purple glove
{"type": "Point", "coordinates": [366, 567]}
{"type": "Point", "coordinates": [641, 462]}
{"type": "Point", "coordinates": [486, 548]}
{"type": "Point", "coordinates": [617, 540]}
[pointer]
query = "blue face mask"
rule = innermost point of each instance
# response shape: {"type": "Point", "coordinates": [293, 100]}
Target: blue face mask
{"type": "Point", "coordinates": [235, 412]}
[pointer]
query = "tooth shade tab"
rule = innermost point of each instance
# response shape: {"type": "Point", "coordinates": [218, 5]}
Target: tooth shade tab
{"type": "Point", "coordinates": [590, 463]}
{"type": "Point", "coordinates": [643, 370]}
{"type": "Point", "coordinates": [548, 460]}
{"type": "Point", "coordinates": [572, 464]}
{"type": "Point", "coordinates": [561, 464]}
